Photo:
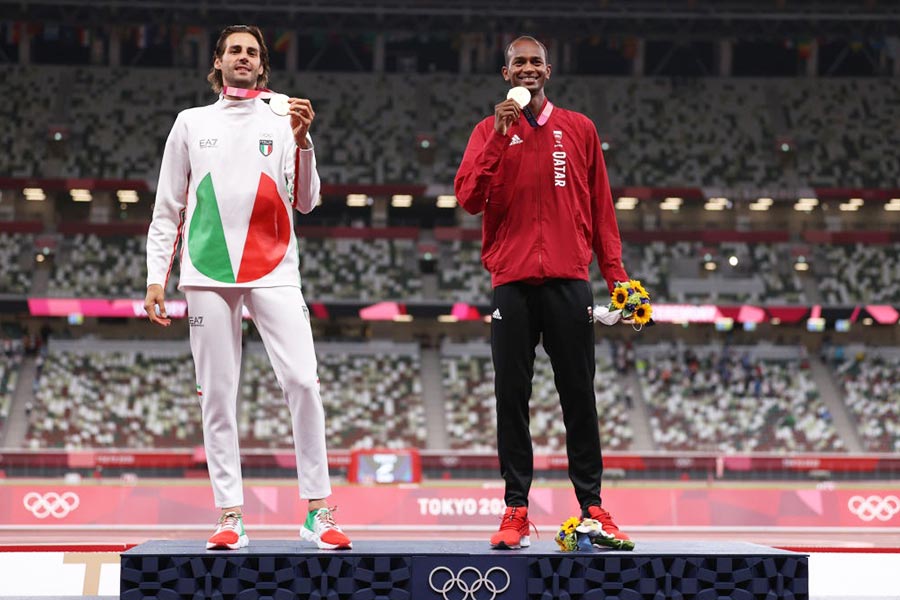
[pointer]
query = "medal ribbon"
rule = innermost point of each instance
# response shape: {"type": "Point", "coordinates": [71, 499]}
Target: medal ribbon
{"type": "Point", "coordinates": [263, 94]}
{"type": "Point", "coordinates": [545, 114]}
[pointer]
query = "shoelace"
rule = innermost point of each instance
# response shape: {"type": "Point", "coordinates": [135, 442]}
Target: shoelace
{"type": "Point", "coordinates": [509, 522]}
{"type": "Point", "coordinates": [327, 516]}
{"type": "Point", "coordinates": [606, 520]}
{"type": "Point", "coordinates": [229, 520]}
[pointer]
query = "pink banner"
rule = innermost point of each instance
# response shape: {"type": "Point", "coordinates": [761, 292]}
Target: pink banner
{"type": "Point", "coordinates": [98, 307]}
{"type": "Point", "coordinates": [662, 313]}
{"type": "Point", "coordinates": [684, 313]}
{"type": "Point", "coordinates": [190, 503]}
{"type": "Point", "coordinates": [883, 314]}
{"type": "Point", "coordinates": [63, 307]}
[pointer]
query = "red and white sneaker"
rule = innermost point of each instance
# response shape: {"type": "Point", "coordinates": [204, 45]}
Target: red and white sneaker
{"type": "Point", "coordinates": [613, 538]}
{"type": "Point", "coordinates": [514, 530]}
{"type": "Point", "coordinates": [321, 529]}
{"type": "Point", "coordinates": [230, 534]}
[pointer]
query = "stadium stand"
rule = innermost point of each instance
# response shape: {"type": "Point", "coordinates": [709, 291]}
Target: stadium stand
{"type": "Point", "coordinates": [347, 269]}
{"type": "Point", "coordinates": [674, 272]}
{"type": "Point", "coordinates": [100, 267]}
{"type": "Point", "coordinates": [848, 274]}
{"type": "Point", "coordinates": [869, 379]}
{"type": "Point", "coordinates": [16, 258]}
{"type": "Point", "coordinates": [12, 352]}
{"type": "Point", "coordinates": [353, 269]}
{"type": "Point", "coordinates": [115, 394]}
{"type": "Point", "coordinates": [762, 398]}
{"type": "Point", "coordinates": [365, 127]}
{"type": "Point", "coordinates": [468, 384]}
{"type": "Point", "coordinates": [677, 273]}
{"type": "Point", "coordinates": [837, 125]}
{"type": "Point", "coordinates": [372, 396]}
{"type": "Point", "coordinates": [704, 132]}
{"type": "Point", "coordinates": [667, 131]}
{"type": "Point", "coordinates": [142, 395]}
{"type": "Point", "coordinates": [735, 399]}
{"type": "Point", "coordinates": [661, 131]}
{"type": "Point", "coordinates": [461, 277]}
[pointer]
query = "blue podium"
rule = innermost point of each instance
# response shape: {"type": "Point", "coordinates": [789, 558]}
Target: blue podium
{"type": "Point", "coordinates": [427, 570]}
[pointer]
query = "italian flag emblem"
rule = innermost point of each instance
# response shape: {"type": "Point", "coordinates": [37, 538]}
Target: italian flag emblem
{"type": "Point", "coordinates": [265, 245]}
{"type": "Point", "coordinates": [265, 147]}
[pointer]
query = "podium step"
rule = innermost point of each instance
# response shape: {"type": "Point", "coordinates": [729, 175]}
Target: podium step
{"type": "Point", "coordinates": [457, 570]}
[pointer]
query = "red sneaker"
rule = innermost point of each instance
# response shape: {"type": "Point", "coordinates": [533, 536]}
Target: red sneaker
{"type": "Point", "coordinates": [616, 538]}
{"type": "Point", "coordinates": [514, 529]}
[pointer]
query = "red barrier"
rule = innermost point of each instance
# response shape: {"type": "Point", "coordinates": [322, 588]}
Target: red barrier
{"type": "Point", "coordinates": [850, 237]}
{"type": "Point", "coordinates": [707, 236]}
{"type": "Point", "coordinates": [21, 226]}
{"type": "Point", "coordinates": [361, 233]}
{"type": "Point", "coordinates": [104, 229]}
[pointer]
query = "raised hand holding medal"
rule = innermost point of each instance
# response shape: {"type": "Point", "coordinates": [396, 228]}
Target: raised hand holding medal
{"type": "Point", "coordinates": [507, 112]}
{"type": "Point", "coordinates": [520, 95]}
{"type": "Point", "coordinates": [299, 109]}
{"type": "Point", "coordinates": [302, 115]}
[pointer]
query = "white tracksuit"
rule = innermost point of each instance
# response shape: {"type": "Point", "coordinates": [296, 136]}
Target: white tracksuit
{"type": "Point", "coordinates": [230, 175]}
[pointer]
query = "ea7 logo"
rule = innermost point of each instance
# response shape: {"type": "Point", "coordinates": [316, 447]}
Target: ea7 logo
{"type": "Point", "coordinates": [209, 142]}
{"type": "Point", "coordinates": [195, 321]}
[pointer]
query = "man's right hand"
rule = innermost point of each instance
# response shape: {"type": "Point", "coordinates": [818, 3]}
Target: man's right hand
{"type": "Point", "coordinates": [156, 297]}
{"type": "Point", "coordinates": [505, 114]}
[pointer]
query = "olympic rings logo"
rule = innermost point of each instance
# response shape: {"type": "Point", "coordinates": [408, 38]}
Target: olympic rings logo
{"type": "Point", "coordinates": [874, 507]}
{"type": "Point", "coordinates": [51, 504]}
{"type": "Point", "coordinates": [470, 585]}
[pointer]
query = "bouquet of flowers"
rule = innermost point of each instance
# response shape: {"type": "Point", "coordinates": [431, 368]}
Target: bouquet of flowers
{"type": "Point", "coordinates": [629, 301]}
{"type": "Point", "coordinates": [585, 535]}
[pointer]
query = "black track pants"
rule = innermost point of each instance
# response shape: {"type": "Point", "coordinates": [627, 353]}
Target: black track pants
{"type": "Point", "coordinates": [558, 310]}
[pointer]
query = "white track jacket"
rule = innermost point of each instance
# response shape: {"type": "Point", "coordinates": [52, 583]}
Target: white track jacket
{"type": "Point", "coordinates": [230, 174]}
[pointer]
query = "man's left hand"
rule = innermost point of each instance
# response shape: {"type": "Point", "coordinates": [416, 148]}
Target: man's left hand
{"type": "Point", "coordinates": [302, 116]}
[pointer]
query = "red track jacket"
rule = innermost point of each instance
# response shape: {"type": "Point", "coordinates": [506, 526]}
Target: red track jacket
{"type": "Point", "coordinates": [545, 197]}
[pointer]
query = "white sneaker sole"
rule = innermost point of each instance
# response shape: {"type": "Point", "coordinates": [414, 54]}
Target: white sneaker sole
{"type": "Point", "coordinates": [524, 542]}
{"type": "Point", "coordinates": [242, 542]}
{"type": "Point", "coordinates": [310, 536]}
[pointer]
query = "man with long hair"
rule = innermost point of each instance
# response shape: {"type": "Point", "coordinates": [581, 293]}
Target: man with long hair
{"type": "Point", "coordinates": [231, 174]}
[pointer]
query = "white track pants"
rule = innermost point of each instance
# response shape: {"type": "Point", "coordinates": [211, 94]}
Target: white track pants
{"type": "Point", "coordinates": [280, 316]}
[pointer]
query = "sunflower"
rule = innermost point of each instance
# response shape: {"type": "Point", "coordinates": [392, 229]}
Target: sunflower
{"type": "Point", "coordinates": [637, 287]}
{"type": "Point", "coordinates": [567, 542]}
{"type": "Point", "coordinates": [642, 314]}
{"type": "Point", "coordinates": [619, 297]}
{"type": "Point", "coordinates": [570, 524]}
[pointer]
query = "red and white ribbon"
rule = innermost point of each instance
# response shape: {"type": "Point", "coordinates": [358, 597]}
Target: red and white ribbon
{"type": "Point", "coordinates": [262, 94]}
{"type": "Point", "coordinates": [542, 118]}
{"type": "Point", "coordinates": [277, 102]}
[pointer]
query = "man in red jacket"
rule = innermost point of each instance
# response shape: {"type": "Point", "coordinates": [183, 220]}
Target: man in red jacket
{"type": "Point", "coordinates": [538, 175]}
